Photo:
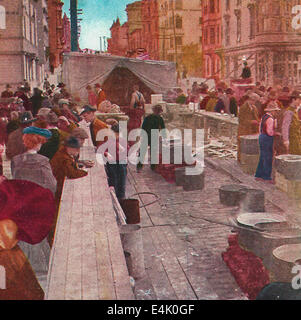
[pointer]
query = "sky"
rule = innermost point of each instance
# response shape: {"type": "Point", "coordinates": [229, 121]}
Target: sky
{"type": "Point", "coordinates": [98, 16]}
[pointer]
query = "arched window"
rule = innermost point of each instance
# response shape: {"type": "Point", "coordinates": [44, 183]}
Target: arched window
{"type": "Point", "coordinates": [2, 18]}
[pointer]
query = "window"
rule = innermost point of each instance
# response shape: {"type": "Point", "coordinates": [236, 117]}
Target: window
{"type": "Point", "coordinates": [179, 4]}
{"type": "Point", "coordinates": [178, 22]}
{"type": "Point", "coordinates": [227, 4]}
{"type": "Point", "coordinates": [179, 41]}
{"type": "Point", "coordinates": [212, 6]}
{"type": "Point", "coordinates": [2, 18]}
{"type": "Point", "coordinates": [212, 36]}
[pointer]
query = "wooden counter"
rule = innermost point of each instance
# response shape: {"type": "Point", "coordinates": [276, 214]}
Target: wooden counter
{"type": "Point", "coordinates": [87, 259]}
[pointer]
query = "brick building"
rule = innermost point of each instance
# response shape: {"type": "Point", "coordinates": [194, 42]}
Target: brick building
{"type": "Point", "coordinates": [134, 16]}
{"type": "Point", "coordinates": [23, 39]}
{"type": "Point", "coordinates": [211, 22]}
{"type": "Point", "coordinates": [66, 34]}
{"type": "Point", "coordinates": [150, 28]}
{"type": "Point", "coordinates": [261, 32]}
{"type": "Point", "coordinates": [179, 26]}
{"type": "Point", "coordinates": [118, 43]}
{"type": "Point", "coordinates": [56, 45]}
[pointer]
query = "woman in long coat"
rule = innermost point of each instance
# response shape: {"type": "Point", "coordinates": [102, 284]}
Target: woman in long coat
{"type": "Point", "coordinates": [31, 166]}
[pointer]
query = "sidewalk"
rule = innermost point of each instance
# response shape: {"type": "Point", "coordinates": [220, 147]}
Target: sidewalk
{"type": "Point", "coordinates": [182, 251]}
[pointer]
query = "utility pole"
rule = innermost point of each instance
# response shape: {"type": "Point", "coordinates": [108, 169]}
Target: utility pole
{"type": "Point", "coordinates": [74, 25]}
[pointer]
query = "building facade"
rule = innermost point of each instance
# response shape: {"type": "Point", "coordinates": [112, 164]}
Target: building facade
{"type": "Point", "coordinates": [134, 16]}
{"type": "Point", "coordinates": [150, 28]}
{"type": "Point", "coordinates": [118, 43]}
{"type": "Point", "coordinates": [23, 39]}
{"type": "Point", "coordinates": [261, 32]}
{"type": "Point", "coordinates": [179, 26]}
{"type": "Point", "coordinates": [56, 45]}
{"type": "Point", "coordinates": [66, 34]}
{"type": "Point", "coordinates": [212, 34]}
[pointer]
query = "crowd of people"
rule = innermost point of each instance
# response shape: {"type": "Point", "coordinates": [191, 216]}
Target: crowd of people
{"type": "Point", "coordinates": [42, 136]}
{"type": "Point", "coordinates": [274, 113]}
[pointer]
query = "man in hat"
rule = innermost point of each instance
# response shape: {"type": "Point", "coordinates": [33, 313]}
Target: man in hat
{"type": "Point", "coordinates": [64, 166]}
{"type": "Point", "coordinates": [248, 119]}
{"type": "Point", "coordinates": [22, 94]}
{"type": "Point", "coordinates": [153, 121]}
{"type": "Point", "coordinates": [246, 71]}
{"type": "Point", "coordinates": [116, 167]}
{"type": "Point", "coordinates": [101, 96]}
{"type": "Point", "coordinates": [266, 143]}
{"type": "Point", "coordinates": [88, 114]}
{"type": "Point", "coordinates": [15, 143]}
{"type": "Point", "coordinates": [291, 127]}
{"type": "Point", "coordinates": [64, 110]}
{"type": "Point", "coordinates": [36, 100]}
{"type": "Point", "coordinates": [7, 93]}
{"type": "Point", "coordinates": [49, 148]}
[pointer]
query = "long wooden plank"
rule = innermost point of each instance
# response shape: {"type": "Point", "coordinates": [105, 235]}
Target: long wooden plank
{"type": "Point", "coordinates": [89, 255]}
{"type": "Point", "coordinates": [59, 254]}
{"type": "Point", "coordinates": [74, 270]}
{"type": "Point", "coordinates": [120, 272]}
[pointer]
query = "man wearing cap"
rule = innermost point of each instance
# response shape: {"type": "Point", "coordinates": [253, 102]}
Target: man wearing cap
{"type": "Point", "coordinates": [15, 143]}
{"type": "Point", "coordinates": [266, 143]}
{"type": "Point", "coordinates": [88, 114]}
{"type": "Point", "coordinates": [64, 166]}
{"type": "Point", "coordinates": [101, 96]}
{"type": "Point", "coordinates": [248, 119]}
{"type": "Point", "coordinates": [291, 128]}
{"type": "Point", "coordinates": [7, 93]}
{"type": "Point", "coordinates": [65, 111]}
{"type": "Point", "coordinates": [153, 121]}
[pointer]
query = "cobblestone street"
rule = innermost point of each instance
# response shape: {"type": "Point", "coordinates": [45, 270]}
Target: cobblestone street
{"type": "Point", "coordinates": [182, 251]}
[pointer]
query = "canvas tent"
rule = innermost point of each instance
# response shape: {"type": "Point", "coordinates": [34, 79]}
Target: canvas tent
{"type": "Point", "coordinates": [117, 75]}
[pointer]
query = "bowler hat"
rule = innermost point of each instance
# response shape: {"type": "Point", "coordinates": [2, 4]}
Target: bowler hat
{"type": "Point", "coordinates": [87, 108]}
{"type": "Point", "coordinates": [97, 85]}
{"type": "Point", "coordinates": [39, 131]}
{"type": "Point", "coordinates": [30, 206]}
{"type": "Point", "coordinates": [61, 85]}
{"type": "Point", "coordinates": [27, 117]}
{"type": "Point", "coordinates": [72, 142]}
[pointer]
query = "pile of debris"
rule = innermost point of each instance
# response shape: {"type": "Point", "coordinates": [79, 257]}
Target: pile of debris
{"type": "Point", "coordinates": [222, 147]}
